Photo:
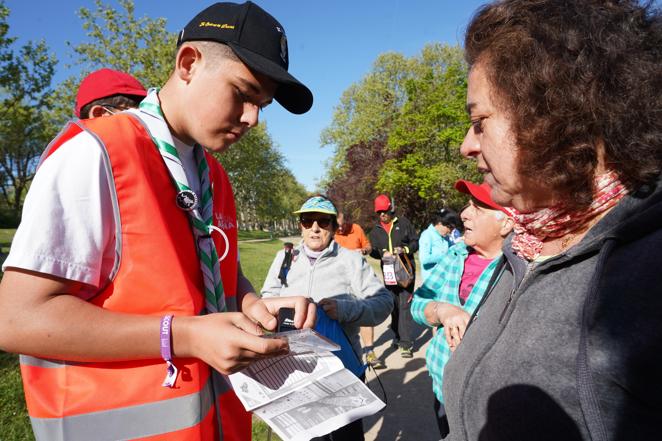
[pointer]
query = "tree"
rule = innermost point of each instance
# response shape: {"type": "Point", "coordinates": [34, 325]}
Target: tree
{"type": "Point", "coordinates": [118, 40]}
{"type": "Point", "coordinates": [265, 190]}
{"type": "Point", "coordinates": [366, 110]}
{"type": "Point", "coordinates": [354, 190]}
{"type": "Point", "coordinates": [414, 109]}
{"type": "Point", "coordinates": [424, 141]}
{"type": "Point", "coordinates": [25, 79]}
{"type": "Point", "coordinates": [290, 196]}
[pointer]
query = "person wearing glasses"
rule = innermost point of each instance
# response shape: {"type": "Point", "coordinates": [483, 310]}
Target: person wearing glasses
{"type": "Point", "coordinates": [336, 278]}
{"type": "Point", "coordinates": [107, 91]}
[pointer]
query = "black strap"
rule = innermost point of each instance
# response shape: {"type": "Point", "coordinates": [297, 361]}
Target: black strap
{"type": "Point", "coordinates": [285, 267]}
{"type": "Point", "coordinates": [381, 386]}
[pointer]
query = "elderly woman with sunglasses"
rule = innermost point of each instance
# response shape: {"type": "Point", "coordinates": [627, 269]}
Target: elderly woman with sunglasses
{"type": "Point", "coordinates": [338, 279]}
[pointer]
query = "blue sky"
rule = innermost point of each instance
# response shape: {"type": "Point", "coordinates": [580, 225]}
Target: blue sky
{"type": "Point", "coordinates": [332, 44]}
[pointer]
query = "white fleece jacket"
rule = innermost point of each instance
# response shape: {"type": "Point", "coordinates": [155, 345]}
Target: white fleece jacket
{"type": "Point", "coordinates": [339, 274]}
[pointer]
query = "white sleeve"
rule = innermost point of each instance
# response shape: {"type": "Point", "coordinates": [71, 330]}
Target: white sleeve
{"type": "Point", "coordinates": [67, 227]}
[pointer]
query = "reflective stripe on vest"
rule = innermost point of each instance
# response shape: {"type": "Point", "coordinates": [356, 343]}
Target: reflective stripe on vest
{"type": "Point", "coordinates": [121, 400]}
{"type": "Point", "coordinates": [155, 418]}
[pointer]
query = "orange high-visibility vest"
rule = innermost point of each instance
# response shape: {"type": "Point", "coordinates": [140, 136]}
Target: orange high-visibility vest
{"type": "Point", "coordinates": [157, 272]}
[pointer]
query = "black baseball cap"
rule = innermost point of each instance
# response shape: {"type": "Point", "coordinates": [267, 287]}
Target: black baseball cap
{"type": "Point", "coordinates": [258, 39]}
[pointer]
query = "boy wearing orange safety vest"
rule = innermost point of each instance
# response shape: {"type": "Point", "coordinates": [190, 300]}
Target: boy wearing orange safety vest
{"type": "Point", "coordinates": [125, 269]}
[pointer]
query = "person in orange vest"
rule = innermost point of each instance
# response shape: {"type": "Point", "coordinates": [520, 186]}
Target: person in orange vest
{"type": "Point", "coordinates": [123, 289]}
{"type": "Point", "coordinates": [105, 92]}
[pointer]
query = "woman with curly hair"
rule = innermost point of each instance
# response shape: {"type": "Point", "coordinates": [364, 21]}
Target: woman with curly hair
{"type": "Point", "coordinates": [565, 105]}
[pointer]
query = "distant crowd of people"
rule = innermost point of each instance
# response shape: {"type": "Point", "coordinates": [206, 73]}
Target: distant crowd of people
{"type": "Point", "coordinates": [544, 289]}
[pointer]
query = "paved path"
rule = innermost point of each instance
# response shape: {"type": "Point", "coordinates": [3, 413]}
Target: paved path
{"type": "Point", "coordinates": [408, 414]}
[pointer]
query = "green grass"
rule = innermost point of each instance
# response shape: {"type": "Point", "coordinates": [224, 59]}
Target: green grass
{"type": "Point", "coordinates": [14, 422]}
{"type": "Point", "coordinates": [6, 236]}
{"type": "Point", "coordinates": [261, 431]}
{"type": "Point", "coordinates": [257, 234]}
{"type": "Point", "coordinates": [256, 257]}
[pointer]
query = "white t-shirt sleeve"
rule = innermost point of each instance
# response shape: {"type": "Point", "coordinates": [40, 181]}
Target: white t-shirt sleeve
{"type": "Point", "coordinates": [67, 227]}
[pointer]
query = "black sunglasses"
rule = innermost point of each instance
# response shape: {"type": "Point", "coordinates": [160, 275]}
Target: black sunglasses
{"type": "Point", "coordinates": [322, 222]}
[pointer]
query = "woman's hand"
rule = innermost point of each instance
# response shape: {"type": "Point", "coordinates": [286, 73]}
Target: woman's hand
{"type": "Point", "coordinates": [453, 318]}
{"type": "Point", "coordinates": [330, 307]}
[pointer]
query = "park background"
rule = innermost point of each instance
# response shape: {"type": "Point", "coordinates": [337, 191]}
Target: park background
{"type": "Point", "coordinates": [389, 115]}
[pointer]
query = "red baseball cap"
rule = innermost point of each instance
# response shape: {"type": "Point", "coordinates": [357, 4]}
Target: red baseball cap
{"type": "Point", "coordinates": [106, 82]}
{"type": "Point", "coordinates": [382, 203]}
{"type": "Point", "coordinates": [482, 193]}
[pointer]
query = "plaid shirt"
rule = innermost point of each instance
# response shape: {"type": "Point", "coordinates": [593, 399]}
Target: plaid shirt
{"type": "Point", "coordinates": [443, 285]}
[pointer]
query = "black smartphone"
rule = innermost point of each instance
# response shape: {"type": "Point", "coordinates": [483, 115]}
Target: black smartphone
{"type": "Point", "coordinates": [286, 319]}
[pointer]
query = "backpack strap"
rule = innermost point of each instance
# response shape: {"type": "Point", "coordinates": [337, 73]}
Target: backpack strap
{"type": "Point", "coordinates": [285, 267]}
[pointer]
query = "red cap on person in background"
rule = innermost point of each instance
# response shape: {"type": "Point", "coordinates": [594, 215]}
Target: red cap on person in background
{"type": "Point", "coordinates": [382, 203]}
{"type": "Point", "coordinates": [106, 82]}
{"type": "Point", "coordinates": [480, 192]}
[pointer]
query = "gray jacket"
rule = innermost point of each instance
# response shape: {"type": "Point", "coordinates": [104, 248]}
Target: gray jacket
{"type": "Point", "coordinates": [338, 273]}
{"type": "Point", "coordinates": [570, 348]}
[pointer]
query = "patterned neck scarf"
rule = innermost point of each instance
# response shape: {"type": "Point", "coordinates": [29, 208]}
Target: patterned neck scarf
{"type": "Point", "coordinates": [201, 215]}
{"type": "Point", "coordinates": [531, 229]}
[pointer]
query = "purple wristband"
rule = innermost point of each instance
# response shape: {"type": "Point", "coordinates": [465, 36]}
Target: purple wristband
{"type": "Point", "coordinates": [166, 350]}
{"type": "Point", "coordinates": [166, 326]}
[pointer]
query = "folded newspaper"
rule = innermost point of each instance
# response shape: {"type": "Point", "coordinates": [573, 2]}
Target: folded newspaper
{"type": "Point", "coordinates": [306, 393]}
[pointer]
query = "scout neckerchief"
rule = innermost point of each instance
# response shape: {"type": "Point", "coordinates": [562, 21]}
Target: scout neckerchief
{"type": "Point", "coordinates": [200, 216]}
{"type": "Point", "coordinates": [200, 212]}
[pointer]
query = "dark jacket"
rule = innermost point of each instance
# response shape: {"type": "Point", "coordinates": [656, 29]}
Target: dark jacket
{"type": "Point", "coordinates": [402, 234]}
{"type": "Point", "coordinates": [569, 348]}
